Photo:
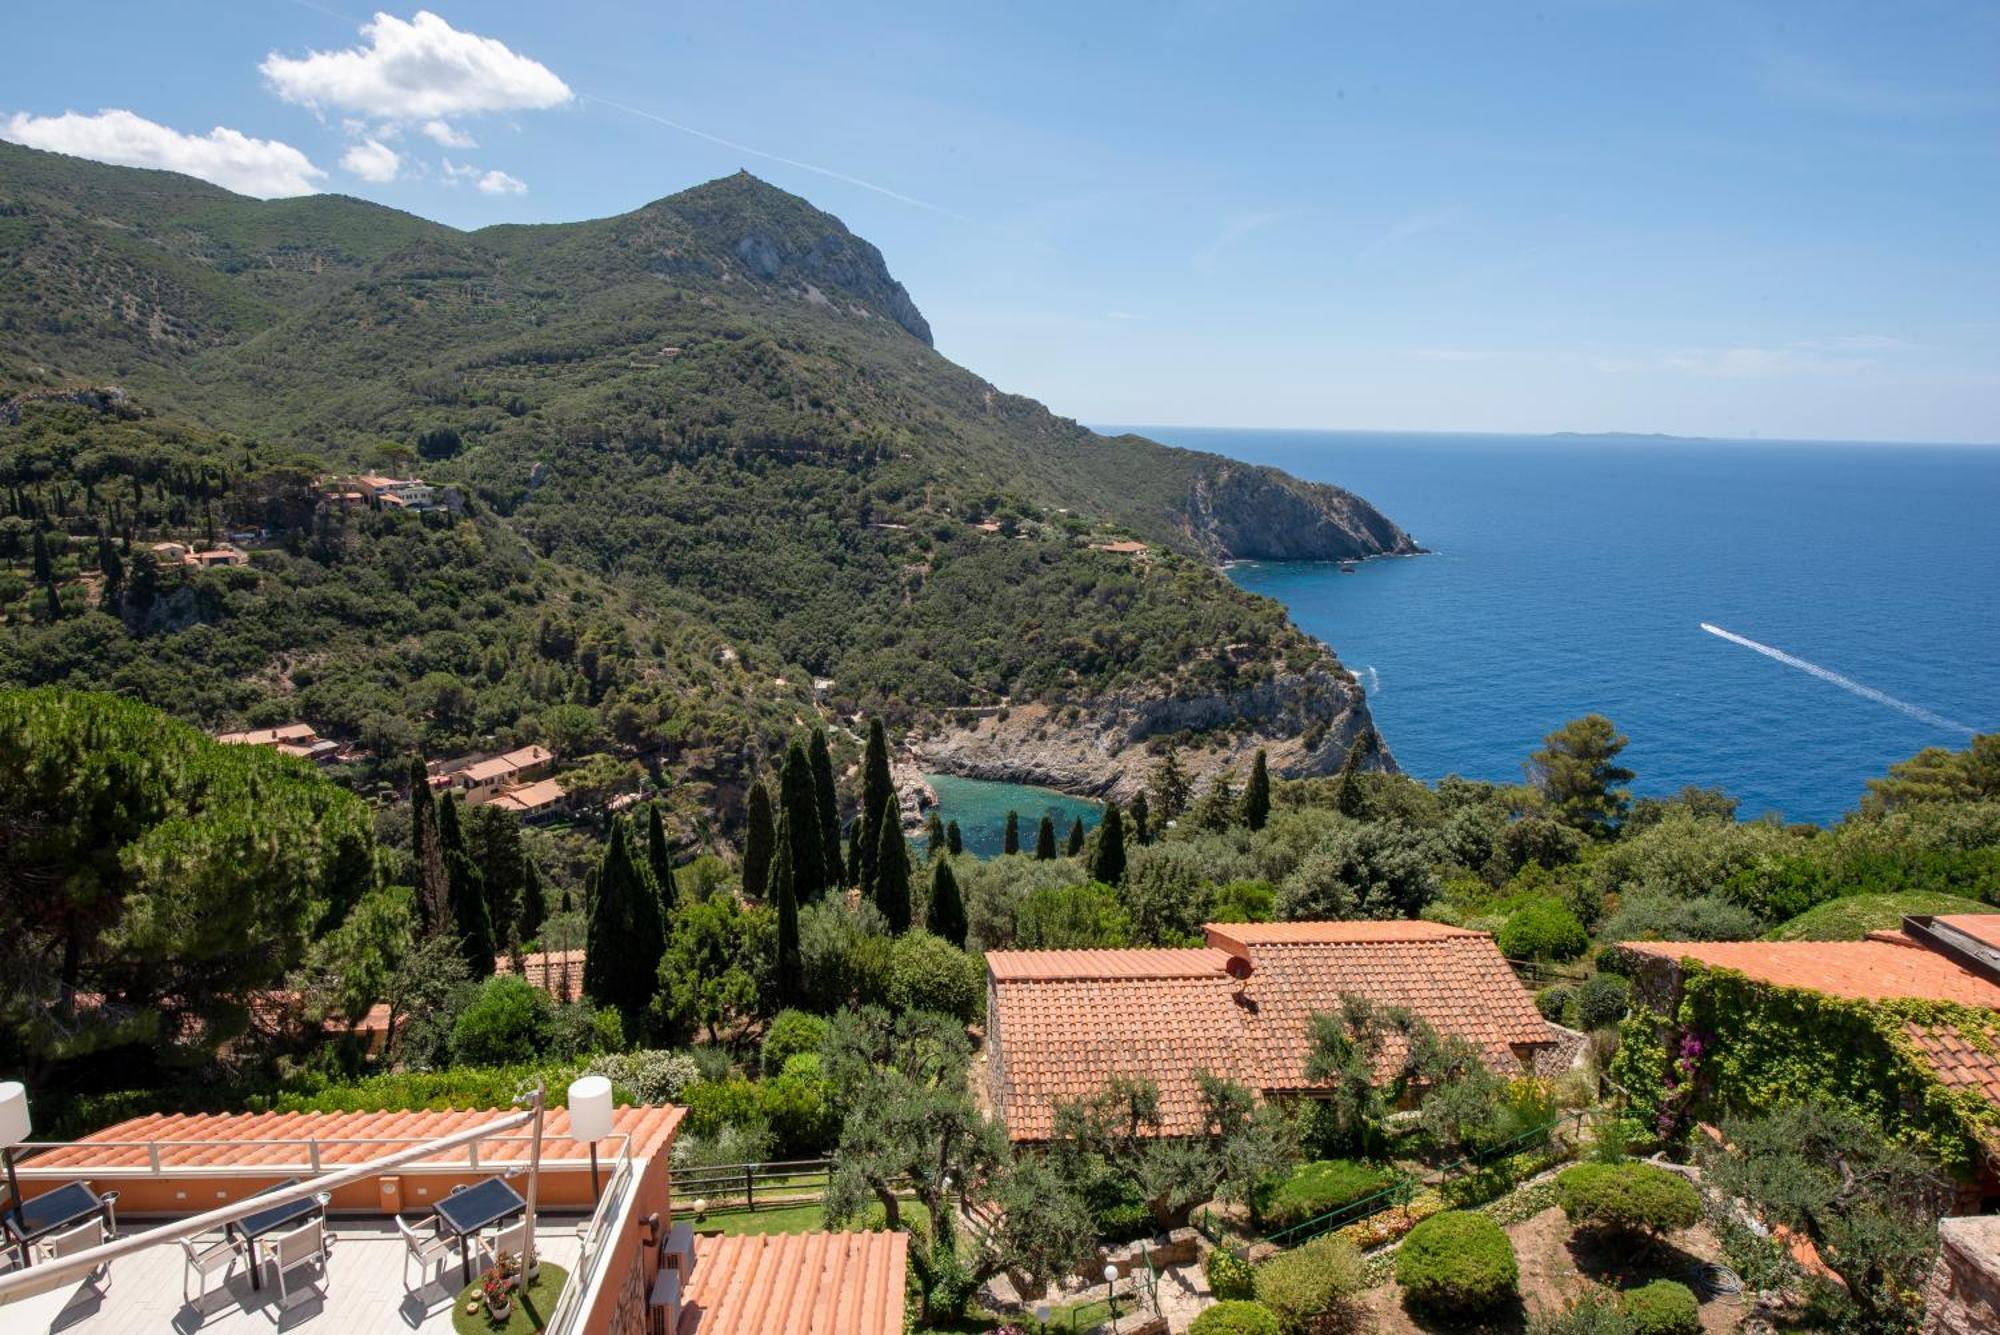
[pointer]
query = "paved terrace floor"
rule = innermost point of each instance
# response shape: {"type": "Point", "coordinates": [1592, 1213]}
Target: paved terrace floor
{"type": "Point", "coordinates": [364, 1292]}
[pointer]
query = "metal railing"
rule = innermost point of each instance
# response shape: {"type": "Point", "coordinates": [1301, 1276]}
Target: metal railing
{"type": "Point", "coordinates": [787, 1181]}
{"type": "Point", "coordinates": [595, 1237]}
{"type": "Point", "coordinates": [165, 1157]}
{"type": "Point", "coordinates": [1397, 1193]}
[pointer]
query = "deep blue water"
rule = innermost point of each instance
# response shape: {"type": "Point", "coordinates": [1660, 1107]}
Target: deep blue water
{"type": "Point", "coordinates": [981, 808]}
{"type": "Point", "coordinates": [1573, 575]}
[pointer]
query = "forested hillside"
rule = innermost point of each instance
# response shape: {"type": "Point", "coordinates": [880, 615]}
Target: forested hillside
{"type": "Point", "coordinates": [706, 445]}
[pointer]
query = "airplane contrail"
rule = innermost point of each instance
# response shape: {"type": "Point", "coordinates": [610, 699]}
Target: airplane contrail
{"type": "Point", "coordinates": [1917, 712]}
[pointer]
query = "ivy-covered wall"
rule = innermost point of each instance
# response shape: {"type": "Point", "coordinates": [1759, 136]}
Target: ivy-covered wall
{"type": "Point", "coordinates": [1727, 1043]}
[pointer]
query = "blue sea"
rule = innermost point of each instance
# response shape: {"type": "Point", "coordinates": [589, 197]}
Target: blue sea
{"type": "Point", "coordinates": [980, 807]}
{"type": "Point", "coordinates": [1573, 575]}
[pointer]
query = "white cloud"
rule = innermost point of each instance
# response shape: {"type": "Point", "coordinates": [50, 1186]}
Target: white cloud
{"type": "Point", "coordinates": [454, 173]}
{"type": "Point", "coordinates": [417, 70]}
{"type": "Point", "coordinates": [1838, 355]}
{"type": "Point", "coordinates": [444, 132]}
{"type": "Point", "coordinates": [373, 160]}
{"type": "Point", "coordinates": [500, 183]}
{"type": "Point", "coordinates": [1122, 315]}
{"type": "Point", "coordinates": [231, 159]}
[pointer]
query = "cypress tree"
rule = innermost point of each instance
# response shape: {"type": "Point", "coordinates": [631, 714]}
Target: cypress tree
{"type": "Point", "coordinates": [954, 842]}
{"type": "Point", "coordinates": [621, 962]}
{"type": "Point", "coordinates": [784, 893]}
{"type": "Point", "coordinates": [426, 854]}
{"type": "Point", "coordinates": [1348, 797]}
{"type": "Point", "coordinates": [1108, 864]}
{"type": "Point", "coordinates": [44, 571]}
{"type": "Point", "coordinates": [1076, 837]}
{"type": "Point", "coordinates": [472, 924]}
{"type": "Point", "coordinates": [827, 799]}
{"type": "Point", "coordinates": [892, 869]}
{"type": "Point", "coordinates": [1045, 840]}
{"type": "Point", "coordinates": [534, 901]}
{"type": "Point", "coordinates": [1140, 833]}
{"type": "Point", "coordinates": [660, 858]}
{"type": "Point", "coordinates": [854, 850]}
{"type": "Point", "coordinates": [947, 915]}
{"type": "Point", "coordinates": [55, 603]}
{"type": "Point", "coordinates": [801, 817]}
{"type": "Point", "coordinates": [1257, 794]}
{"type": "Point", "coordinates": [876, 788]}
{"type": "Point", "coordinates": [933, 837]}
{"type": "Point", "coordinates": [757, 837]}
{"type": "Point", "coordinates": [114, 571]}
{"type": "Point", "coordinates": [1011, 843]}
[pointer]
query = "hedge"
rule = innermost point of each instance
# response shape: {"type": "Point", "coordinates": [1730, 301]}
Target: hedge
{"type": "Point", "coordinates": [1627, 1197]}
{"type": "Point", "coordinates": [1662, 1308]}
{"type": "Point", "coordinates": [1236, 1317]}
{"type": "Point", "coordinates": [1308, 1283]}
{"type": "Point", "coordinates": [1458, 1263]}
{"type": "Point", "coordinates": [1313, 1189]}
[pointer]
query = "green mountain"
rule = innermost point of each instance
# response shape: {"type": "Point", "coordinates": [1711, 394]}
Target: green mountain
{"type": "Point", "coordinates": [709, 456]}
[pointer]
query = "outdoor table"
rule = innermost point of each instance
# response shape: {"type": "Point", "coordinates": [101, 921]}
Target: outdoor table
{"type": "Point", "coordinates": [252, 1227]}
{"type": "Point", "coordinates": [51, 1212]}
{"type": "Point", "coordinates": [463, 1213]}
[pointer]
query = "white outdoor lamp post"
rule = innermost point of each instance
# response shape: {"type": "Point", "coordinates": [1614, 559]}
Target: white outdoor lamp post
{"type": "Point", "coordinates": [14, 1128]}
{"type": "Point", "coordinates": [1110, 1295]}
{"type": "Point", "coordinates": [590, 1117]}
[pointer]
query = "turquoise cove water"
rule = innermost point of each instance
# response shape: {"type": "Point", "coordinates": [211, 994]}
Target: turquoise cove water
{"type": "Point", "coordinates": [981, 808]}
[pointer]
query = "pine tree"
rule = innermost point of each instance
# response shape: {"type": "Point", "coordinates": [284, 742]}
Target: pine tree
{"type": "Point", "coordinates": [947, 913]}
{"type": "Point", "coordinates": [1011, 843]}
{"type": "Point", "coordinates": [1076, 837]}
{"type": "Point", "coordinates": [1257, 795]}
{"type": "Point", "coordinates": [827, 799]}
{"type": "Point", "coordinates": [1172, 788]}
{"type": "Point", "coordinates": [892, 869]}
{"type": "Point", "coordinates": [426, 854]}
{"type": "Point", "coordinates": [1045, 840]}
{"type": "Point", "coordinates": [472, 923]}
{"type": "Point", "coordinates": [784, 894]}
{"type": "Point", "coordinates": [1107, 864]}
{"type": "Point", "coordinates": [757, 837]}
{"type": "Point", "coordinates": [876, 787]}
{"type": "Point", "coordinates": [954, 841]}
{"type": "Point", "coordinates": [801, 816]}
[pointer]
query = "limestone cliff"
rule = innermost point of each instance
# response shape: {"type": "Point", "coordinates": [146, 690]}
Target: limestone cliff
{"type": "Point", "coordinates": [1243, 512]}
{"type": "Point", "coordinates": [1305, 721]}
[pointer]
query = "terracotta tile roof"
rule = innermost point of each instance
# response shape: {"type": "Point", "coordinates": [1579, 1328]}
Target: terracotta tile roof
{"type": "Point", "coordinates": [1871, 970]}
{"type": "Point", "coordinates": [798, 1283]}
{"type": "Point", "coordinates": [1012, 965]}
{"type": "Point", "coordinates": [1959, 1062]}
{"type": "Point", "coordinates": [235, 1140]}
{"type": "Point", "coordinates": [531, 796]}
{"type": "Point", "coordinates": [1065, 1020]}
{"type": "Point", "coordinates": [546, 969]}
{"type": "Point", "coordinates": [1058, 1039]}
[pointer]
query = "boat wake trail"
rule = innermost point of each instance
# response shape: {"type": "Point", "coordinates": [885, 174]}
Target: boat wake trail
{"type": "Point", "coordinates": [1917, 712]}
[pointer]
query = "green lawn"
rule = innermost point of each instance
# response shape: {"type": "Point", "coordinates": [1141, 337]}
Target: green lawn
{"type": "Point", "coordinates": [1062, 1320]}
{"type": "Point", "coordinates": [1854, 916]}
{"type": "Point", "coordinates": [776, 1219]}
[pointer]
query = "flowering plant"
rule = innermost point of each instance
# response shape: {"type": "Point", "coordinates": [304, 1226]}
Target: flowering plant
{"type": "Point", "coordinates": [498, 1279]}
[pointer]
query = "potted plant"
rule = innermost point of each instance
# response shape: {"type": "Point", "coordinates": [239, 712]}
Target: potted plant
{"type": "Point", "coordinates": [497, 1285]}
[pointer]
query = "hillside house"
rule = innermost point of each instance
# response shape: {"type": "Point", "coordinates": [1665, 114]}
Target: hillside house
{"type": "Point", "coordinates": [1906, 1022]}
{"type": "Point", "coordinates": [1060, 1022]}
{"type": "Point", "coordinates": [1120, 548]}
{"type": "Point", "coordinates": [481, 779]}
{"type": "Point", "coordinates": [291, 739]}
{"type": "Point", "coordinates": [223, 554]}
{"type": "Point", "coordinates": [393, 493]}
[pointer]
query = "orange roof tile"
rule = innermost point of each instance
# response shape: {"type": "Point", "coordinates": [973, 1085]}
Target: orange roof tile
{"type": "Point", "coordinates": [1984, 927]}
{"type": "Point", "coordinates": [1960, 1062]}
{"type": "Point", "coordinates": [798, 1283]}
{"type": "Point", "coordinates": [531, 796]}
{"type": "Point", "coordinates": [1010, 965]}
{"type": "Point", "coordinates": [245, 1140]}
{"type": "Point", "coordinates": [1872, 970]}
{"type": "Point", "coordinates": [1065, 1020]}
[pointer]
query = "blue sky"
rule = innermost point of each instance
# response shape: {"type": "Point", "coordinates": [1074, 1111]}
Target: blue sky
{"type": "Point", "coordinates": [1739, 219]}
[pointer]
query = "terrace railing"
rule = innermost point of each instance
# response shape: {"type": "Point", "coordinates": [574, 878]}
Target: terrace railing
{"type": "Point", "coordinates": [313, 1155]}
{"type": "Point", "coordinates": [595, 1235]}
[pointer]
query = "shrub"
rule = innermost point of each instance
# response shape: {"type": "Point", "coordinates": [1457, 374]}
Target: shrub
{"type": "Point", "coordinates": [796, 1106]}
{"type": "Point", "coordinates": [1313, 1189]}
{"type": "Point", "coordinates": [1457, 1263]}
{"type": "Point", "coordinates": [1543, 929]}
{"type": "Point", "coordinates": [510, 1020]}
{"type": "Point", "coordinates": [1554, 1002]}
{"type": "Point", "coordinates": [1308, 1283]}
{"type": "Point", "coordinates": [1602, 1001]}
{"type": "Point", "coordinates": [714, 1104]}
{"type": "Point", "coordinates": [1243, 901]}
{"type": "Point", "coordinates": [791, 1033]}
{"type": "Point", "coordinates": [929, 973]}
{"type": "Point", "coordinates": [1235, 1317]}
{"type": "Point", "coordinates": [1662, 1308]}
{"type": "Point", "coordinates": [1595, 1312]}
{"type": "Point", "coordinates": [1229, 1275]}
{"type": "Point", "coordinates": [1628, 1197]}
{"type": "Point", "coordinates": [650, 1075]}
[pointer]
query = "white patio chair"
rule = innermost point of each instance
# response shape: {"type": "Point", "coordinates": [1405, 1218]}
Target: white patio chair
{"type": "Point", "coordinates": [433, 1252]}
{"type": "Point", "coordinates": [291, 1251]}
{"type": "Point", "coordinates": [201, 1262]}
{"type": "Point", "coordinates": [510, 1241]}
{"type": "Point", "coordinates": [88, 1234]}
